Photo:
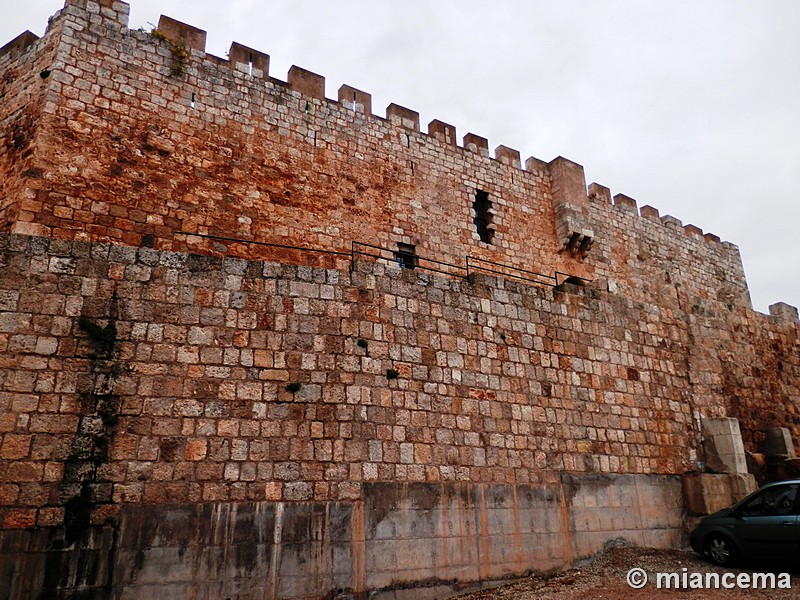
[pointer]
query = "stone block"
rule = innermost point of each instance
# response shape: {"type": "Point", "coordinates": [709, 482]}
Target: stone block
{"type": "Point", "coordinates": [706, 493]}
{"type": "Point", "coordinates": [723, 445]}
{"type": "Point", "coordinates": [778, 443]}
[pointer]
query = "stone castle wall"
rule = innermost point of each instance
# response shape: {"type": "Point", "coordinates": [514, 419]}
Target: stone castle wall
{"type": "Point", "coordinates": [284, 411]}
{"type": "Point", "coordinates": [145, 378]}
{"type": "Point", "coordinates": [144, 137]}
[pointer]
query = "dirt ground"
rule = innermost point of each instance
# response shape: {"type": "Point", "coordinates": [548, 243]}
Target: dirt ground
{"type": "Point", "coordinates": [606, 578]}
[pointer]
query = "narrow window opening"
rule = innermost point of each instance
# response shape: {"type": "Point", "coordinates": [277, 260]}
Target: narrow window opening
{"type": "Point", "coordinates": [412, 166]}
{"type": "Point", "coordinates": [315, 139]}
{"type": "Point", "coordinates": [193, 100]}
{"type": "Point", "coordinates": [575, 281]}
{"type": "Point", "coordinates": [250, 64]}
{"type": "Point", "coordinates": [406, 256]}
{"type": "Point", "coordinates": [482, 216]}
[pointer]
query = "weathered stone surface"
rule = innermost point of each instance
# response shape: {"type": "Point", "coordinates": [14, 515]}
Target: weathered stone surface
{"type": "Point", "coordinates": [151, 356]}
{"type": "Point", "coordinates": [706, 493]}
{"type": "Point", "coordinates": [410, 535]}
{"type": "Point", "coordinates": [723, 445]}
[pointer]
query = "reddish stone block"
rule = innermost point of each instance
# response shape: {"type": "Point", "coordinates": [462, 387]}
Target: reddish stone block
{"type": "Point", "coordinates": [19, 519]}
{"type": "Point", "coordinates": [15, 446]}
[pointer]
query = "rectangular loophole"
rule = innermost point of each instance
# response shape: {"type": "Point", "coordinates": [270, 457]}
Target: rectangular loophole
{"type": "Point", "coordinates": [482, 218]}
{"type": "Point", "coordinates": [406, 256]}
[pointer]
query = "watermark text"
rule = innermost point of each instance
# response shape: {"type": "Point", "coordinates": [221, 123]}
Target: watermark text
{"type": "Point", "coordinates": [638, 579]}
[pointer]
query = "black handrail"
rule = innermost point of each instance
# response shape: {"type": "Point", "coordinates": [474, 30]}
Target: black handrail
{"type": "Point", "coordinates": [238, 241]}
{"type": "Point", "coordinates": [392, 258]}
{"type": "Point", "coordinates": [469, 267]}
{"type": "Point", "coordinates": [570, 276]}
{"type": "Point", "coordinates": [504, 266]}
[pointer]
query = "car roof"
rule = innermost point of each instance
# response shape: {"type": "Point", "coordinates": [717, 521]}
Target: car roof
{"type": "Point", "coordinates": [774, 483]}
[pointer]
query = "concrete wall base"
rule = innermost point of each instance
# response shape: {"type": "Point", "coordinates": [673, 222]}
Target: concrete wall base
{"type": "Point", "coordinates": [399, 541]}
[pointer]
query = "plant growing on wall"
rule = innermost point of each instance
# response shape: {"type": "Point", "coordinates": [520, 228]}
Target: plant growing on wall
{"type": "Point", "coordinates": [180, 54]}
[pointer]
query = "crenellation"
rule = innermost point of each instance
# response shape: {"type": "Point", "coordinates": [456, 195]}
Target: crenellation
{"type": "Point", "coordinates": [307, 83]}
{"type": "Point", "coordinates": [187, 36]}
{"type": "Point", "coordinates": [19, 44]}
{"type": "Point", "coordinates": [693, 231]}
{"type": "Point", "coordinates": [103, 12]}
{"type": "Point", "coordinates": [783, 312]}
{"type": "Point", "coordinates": [650, 213]}
{"type": "Point", "coordinates": [402, 117]}
{"type": "Point", "coordinates": [508, 156]}
{"type": "Point", "coordinates": [536, 166]}
{"type": "Point", "coordinates": [249, 61]}
{"type": "Point", "coordinates": [355, 100]}
{"type": "Point", "coordinates": [672, 222]}
{"type": "Point", "coordinates": [443, 132]}
{"type": "Point", "coordinates": [626, 203]}
{"type": "Point", "coordinates": [599, 193]}
{"type": "Point", "coordinates": [476, 144]}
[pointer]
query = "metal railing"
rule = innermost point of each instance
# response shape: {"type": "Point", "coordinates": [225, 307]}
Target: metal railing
{"type": "Point", "coordinates": [257, 243]}
{"type": "Point", "coordinates": [472, 264]}
{"type": "Point", "coordinates": [420, 262]}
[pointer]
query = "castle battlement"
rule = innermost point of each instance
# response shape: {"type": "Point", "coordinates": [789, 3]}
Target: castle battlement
{"type": "Point", "coordinates": [250, 72]}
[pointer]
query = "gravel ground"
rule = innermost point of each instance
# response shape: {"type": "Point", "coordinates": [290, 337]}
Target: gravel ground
{"type": "Point", "coordinates": [606, 578]}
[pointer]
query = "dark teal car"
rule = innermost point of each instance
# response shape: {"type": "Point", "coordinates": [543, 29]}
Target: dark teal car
{"type": "Point", "coordinates": [763, 525]}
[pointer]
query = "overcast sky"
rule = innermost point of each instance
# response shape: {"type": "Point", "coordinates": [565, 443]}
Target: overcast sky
{"type": "Point", "coordinates": [690, 106]}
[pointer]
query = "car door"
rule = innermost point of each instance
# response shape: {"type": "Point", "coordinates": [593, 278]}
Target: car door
{"type": "Point", "coordinates": [767, 524]}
